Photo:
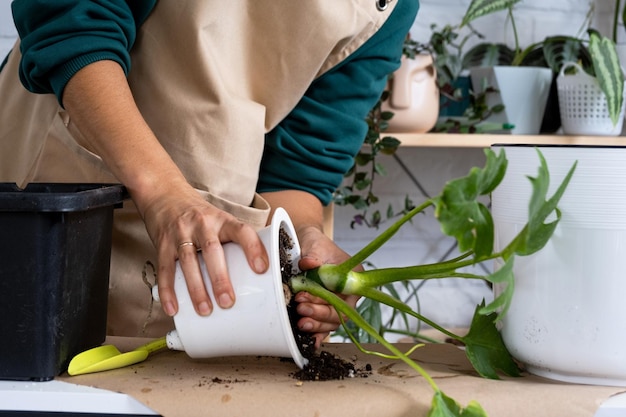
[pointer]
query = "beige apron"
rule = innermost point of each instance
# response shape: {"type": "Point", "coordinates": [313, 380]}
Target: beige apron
{"type": "Point", "coordinates": [210, 78]}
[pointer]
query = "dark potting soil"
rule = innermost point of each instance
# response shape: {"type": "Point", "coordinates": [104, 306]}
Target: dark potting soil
{"type": "Point", "coordinates": [322, 365]}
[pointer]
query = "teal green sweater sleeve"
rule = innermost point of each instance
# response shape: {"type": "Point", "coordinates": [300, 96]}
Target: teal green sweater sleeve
{"type": "Point", "coordinates": [60, 37]}
{"type": "Point", "coordinates": [312, 148]}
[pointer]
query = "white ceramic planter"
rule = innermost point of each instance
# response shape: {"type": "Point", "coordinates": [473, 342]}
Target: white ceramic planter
{"type": "Point", "coordinates": [258, 323]}
{"type": "Point", "coordinates": [523, 91]}
{"type": "Point", "coordinates": [566, 320]}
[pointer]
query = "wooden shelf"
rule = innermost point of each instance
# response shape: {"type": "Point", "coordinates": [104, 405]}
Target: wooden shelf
{"type": "Point", "coordinates": [460, 140]}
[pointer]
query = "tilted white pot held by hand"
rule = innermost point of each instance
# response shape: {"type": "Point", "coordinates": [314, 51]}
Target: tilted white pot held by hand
{"type": "Point", "coordinates": [258, 323]}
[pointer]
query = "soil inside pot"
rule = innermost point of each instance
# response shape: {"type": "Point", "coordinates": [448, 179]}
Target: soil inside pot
{"type": "Point", "coordinates": [322, 365]}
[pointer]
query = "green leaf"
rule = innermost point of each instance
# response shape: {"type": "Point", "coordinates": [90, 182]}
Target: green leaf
{"type": "Point", "coordinates": [444, 406]}
{"type": "Point", "coordinates": [488, 55]}
{"type": "Point", "coordinates": [608, 72]}
{"type": "Point", "coordinates": [537, 233]}
{"type": "Point", "coordinates": [386, 115]}
{"type": "Point", "coordinates": [362, 185]}
{"type": "Point", "coordinates": [363, 158]}
{"type": "Point", "coordinates": [485, 349]}
{"type": "Point", "coordinates": [459, 212]}
{"type": "Point", "coordinates": [358, 202]}
{"type": "Point", "coordinates": [505, 279]}
{"type": "Point", "coordinates": [478, 8]}
{"type": "Point", "coordinates": [373, 199]}
{"type": "Point", "coordinates": [557, 50]}
{"type": "Point", "coordinates": [389, 145]}
{"type": "Point", "coordinates": [380, 169]}
{"type": "Point", "coordinates": [390, 211]}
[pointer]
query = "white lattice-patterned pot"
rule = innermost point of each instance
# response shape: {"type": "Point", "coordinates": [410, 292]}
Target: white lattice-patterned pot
{"type": "Point", "coordinates": [583, 105]}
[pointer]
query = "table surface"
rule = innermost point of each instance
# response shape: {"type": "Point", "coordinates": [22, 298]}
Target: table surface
{"type": "Point", "coordinates": [173, 384]}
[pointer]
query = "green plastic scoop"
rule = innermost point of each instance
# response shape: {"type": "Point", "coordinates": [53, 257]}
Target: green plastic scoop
{"type": "Point", "coordinates": [107, 357]}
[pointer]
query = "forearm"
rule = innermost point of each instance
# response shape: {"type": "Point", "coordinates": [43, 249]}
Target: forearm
{"type": "Point", "coordinates": [305, 210]}
{"type": "Point", "coordinates": [59, 37]}
{"type": "Point", "coordinates": [101, 105]}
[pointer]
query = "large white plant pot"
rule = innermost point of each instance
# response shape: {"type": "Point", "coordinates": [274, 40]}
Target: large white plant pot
{"type": "Point", "coordinates": [567, 320]}
{"type": "Point", "coordinates": [522, 90]}
{"type": "Point", "coordinates": [258, 323]}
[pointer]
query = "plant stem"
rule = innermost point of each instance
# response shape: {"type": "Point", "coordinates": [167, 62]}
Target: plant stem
{"type": "Point", "coordinates": [371, 247]}
{"type": "Point", "coordinates": [416, 336]}
{"type": "Point", "coordinates": [377, 277]}
{"type": "Point", "coordinates": [514, 27]}
{"type": "Point", "coordinates": [374, 294]}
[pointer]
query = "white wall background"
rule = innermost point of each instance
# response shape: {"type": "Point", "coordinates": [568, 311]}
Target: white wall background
{"type": "Point", "coordinates": [452, 302]}
{"type": "Point", "coordinates": [449, 302]}
{"type": "Point", "coordinates": [7, 30]}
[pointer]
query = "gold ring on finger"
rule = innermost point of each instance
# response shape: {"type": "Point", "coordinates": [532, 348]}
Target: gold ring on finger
{"type": "Point", "coordinates": [182, 245]}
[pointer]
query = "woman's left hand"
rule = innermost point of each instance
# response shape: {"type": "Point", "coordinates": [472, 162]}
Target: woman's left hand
{"type": "Point", "coordinates": [318, 316]}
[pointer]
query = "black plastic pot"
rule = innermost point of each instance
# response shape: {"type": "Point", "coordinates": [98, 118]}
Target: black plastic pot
{"type": "Point", "coordinates": [55, 256]}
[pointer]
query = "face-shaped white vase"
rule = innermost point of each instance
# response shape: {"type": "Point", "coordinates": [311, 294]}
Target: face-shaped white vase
{"type": "Point", "coordinates": [414, 96]}
{"type": "Point", "coordinates": [258, 323]}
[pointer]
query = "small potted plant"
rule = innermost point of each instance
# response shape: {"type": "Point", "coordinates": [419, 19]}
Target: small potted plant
{"type": "Point", "coordinates": [592, 99]}
{"type": "Point", "coordinates": [460, 110]}
{"type": "Point", "coordinates": [446, 45]}
{"type": "Point", "coordinates": [521, 89]}
{"type": "Point", "coordinates": [553, 52]}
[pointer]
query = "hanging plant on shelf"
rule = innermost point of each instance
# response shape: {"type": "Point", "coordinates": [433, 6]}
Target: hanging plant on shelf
{"type": "Point", "coordinates": [358, 188]}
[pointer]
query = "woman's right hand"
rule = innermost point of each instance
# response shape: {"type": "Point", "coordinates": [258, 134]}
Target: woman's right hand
{"type": "Point", "coordinates": [180, 223]}
{"type": "Point", "coordinates": [100, 104]}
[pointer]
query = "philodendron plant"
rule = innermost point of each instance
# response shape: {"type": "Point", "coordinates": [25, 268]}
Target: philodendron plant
{"type": "Point", "coordinates": [462, 216]}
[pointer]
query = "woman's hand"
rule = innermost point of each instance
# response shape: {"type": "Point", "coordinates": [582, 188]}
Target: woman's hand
{"type": "Point", "coordinates": [319, 317]}
{"type": "Point", "coordinates": [181, 223]}
{"type": "Point", "coordinates": [307, 214]}
{"type": "Point", "coordinates": [100, 103]}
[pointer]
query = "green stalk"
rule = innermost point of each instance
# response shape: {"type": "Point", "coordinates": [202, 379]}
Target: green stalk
{"type": "Point", "coordinates": [371, 247]}
{"type": "Point", "coordinates": [416, 336]}
{"type": "Point", "coordinates": [381, 297]}
{"type": "Point", "coordinates": [377, 277]}
{"type": "Point", "coordinates": [514, 27]}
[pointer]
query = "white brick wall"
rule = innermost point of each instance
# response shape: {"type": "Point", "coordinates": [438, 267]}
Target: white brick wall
{"type": "Point", "coordinates": [448, 302]}
{"type": "Point", "coordinates": [535, 19]}
{"type": "Point", "coordinates": [8, 33]}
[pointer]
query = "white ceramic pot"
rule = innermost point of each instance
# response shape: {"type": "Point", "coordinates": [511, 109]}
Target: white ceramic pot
{"type": "Point", "coordinates": [258, 323]}
{"type": "Point", "coordinates": [566, 320]}
{"type": "Point", "coordinates": [522, 90]}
